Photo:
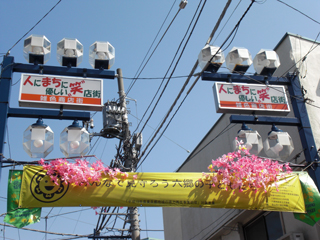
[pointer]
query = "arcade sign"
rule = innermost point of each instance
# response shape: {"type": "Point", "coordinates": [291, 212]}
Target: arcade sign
{"type": "Point", "coordinates": [46, 91]}
{"type": "Point", "coordinates": [250, 99]}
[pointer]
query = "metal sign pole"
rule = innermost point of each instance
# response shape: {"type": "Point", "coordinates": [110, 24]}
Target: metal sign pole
{"type": "Point", "coordinates": [5, 88]}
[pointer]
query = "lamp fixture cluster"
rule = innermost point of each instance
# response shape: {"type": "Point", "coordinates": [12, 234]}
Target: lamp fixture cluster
{"type": "Point", "coordinates": [238, 60]}
{"type": "Point", "coordinates": [278, 145]}
{"type": "Point", "coordinates": [37, 50]}
{"type": "Point", "coordinates": [38, 140]}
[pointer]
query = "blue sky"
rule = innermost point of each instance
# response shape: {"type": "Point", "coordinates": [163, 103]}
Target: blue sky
{"type": "Point", "coordinates": [131, 26]}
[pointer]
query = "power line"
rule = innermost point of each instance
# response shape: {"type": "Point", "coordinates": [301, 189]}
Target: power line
{"type": "Point", "coordinates": [164, 88]}
{"type": "Point", "coordinates": [299, 11]}
{"type": "Point", "coordinates": [135, 78]}
{"type": "Point", "coordinates": [41, 231]}
{"type": "Point", "coordinates": [219, 219]}
{"type": "Point", "coordinates": [304, 57]}
{"type": "Point", "coordinates": [74, 229]}
{"type": "Point", "coordinates": [185, 84]}
{"type": "Point", "coordinates": [58, 215]}
{"type": "Point", "coordinates": [156, 78]}
{"type": "Point", "coordinates": [227, 20]}
{"type": "Point", "coordinates": [209, 39]}
{"type": "Point", "coordinates": [220, 19]}
{"type": "Point", "coordinates": [35, 25]}
{"type": "Point", "coordinates": [165, 136]}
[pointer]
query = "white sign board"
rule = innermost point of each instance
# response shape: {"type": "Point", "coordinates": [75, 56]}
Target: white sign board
{"type": "Point", "coordinates": [46, 91]}
{"type": "Point", "coordinates": [250, 99]}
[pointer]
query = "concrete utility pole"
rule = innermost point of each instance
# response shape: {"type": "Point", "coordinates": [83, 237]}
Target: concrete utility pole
{"type": "Point", "coordinates": [129, 157]}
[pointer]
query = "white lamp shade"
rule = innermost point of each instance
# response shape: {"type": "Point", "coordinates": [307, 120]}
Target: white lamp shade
{"type": "Point", "coordinates": [205, 56]}
{"type": "Point", "coordinates": [251, 139]}
{"type": "Point", "coordinates": [101, 55]}
{"type": "Point", "coordinates": [266, 62]}
{"type": "Point", "coordinates": [278, 145]}
{"type": "Point", "coordinates": [69, 52]}
{"type": "Point", "coordinates": [37, 49]}
{"type": "Point", "coordinates": [238, 60]}
{"type": "Point", "coordinates": [38, 141]}
{"type": "Point", "coordinates": [74, 142]}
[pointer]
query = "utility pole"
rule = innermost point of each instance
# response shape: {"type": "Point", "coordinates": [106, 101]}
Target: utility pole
{"type": "Point", "coordinates": [130, 157]}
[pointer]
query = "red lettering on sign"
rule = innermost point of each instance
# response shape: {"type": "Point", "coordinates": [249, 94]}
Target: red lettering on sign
{"type": "Point", "coordinates": [28, 81]}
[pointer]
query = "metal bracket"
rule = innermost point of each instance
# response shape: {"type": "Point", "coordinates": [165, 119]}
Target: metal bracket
{"type": "Point", "coordinates": [61, 111]}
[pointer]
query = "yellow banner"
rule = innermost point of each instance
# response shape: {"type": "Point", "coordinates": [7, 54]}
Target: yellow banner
{"type": "Point", "coordinates": [158, 189]}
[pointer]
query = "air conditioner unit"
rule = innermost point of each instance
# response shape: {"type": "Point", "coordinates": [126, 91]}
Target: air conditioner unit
{"type": "Point", "coordinates": [292, 236]}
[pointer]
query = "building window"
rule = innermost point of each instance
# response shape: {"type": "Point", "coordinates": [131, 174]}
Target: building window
{"type": "Point", "coordinates": [266, 227]}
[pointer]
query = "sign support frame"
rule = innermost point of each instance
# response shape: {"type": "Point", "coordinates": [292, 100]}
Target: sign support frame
{"type": "Point", "coordinates": [7, 70]}
{"type": "Point", "coordinates": [299, 108]}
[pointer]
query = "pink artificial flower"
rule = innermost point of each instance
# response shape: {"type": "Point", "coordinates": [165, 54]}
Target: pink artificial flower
{"type": "Point", "coordinates": [41, 162]}
{"type": "Point", "coordinates": [240, 168]}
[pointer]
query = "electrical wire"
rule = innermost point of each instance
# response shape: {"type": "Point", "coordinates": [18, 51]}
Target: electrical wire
{"type": "Point", "coordinates": [165, 136]}
{"type": "Point", "coordinates": [164, 88]}
{"type": "Point", "coordinates": [74, 229]}
{"type": "Point", "coordinates": [70, 238]}
{"type": "Point", "coordinates": [104, 148]}
{"type": "Point", "coordinates": [72, 219]}
{"type": "Point", "coordinates": [304, 57]}
{"type": "Point", "coordinates": [299, 11]}
{"type": "Point", "coordinates": [138, 74]}
{"type": "Point", "coordinates": [125, 220]}
{"type": "Point", "coordinates": [227, 20]}
{"type": "Point", "coordinates": [58, 215]}
{"type": "Point", "coordinates": [234, 30]}
{"type": "Point", "coordinates": [184, 86]}
{"type": "Point", "coordinates": [16, 82]}
{"type": "Point", "coordinates": [103, 209]}
{"type": "Point", "coordinates": [218, 219]}
{"type": "Point", "coordinates": [155, 78]}
{"type": "Point", "coordinates": [115, 220]}
{"type": "Point", "coordinates": [6, 238]}
{"type": "Point", "coordinates": [8, 140]}
{"type": "Point", "coordinates": [220, 19]}
{"type": "Point", "coordinates": [34, 26]}
{"type": "Point", "coordinates": [94, 145]}
{"type": "Point", "coordinates": [41, 231]}
{"type": "Point", "coordinates": [102, 225]}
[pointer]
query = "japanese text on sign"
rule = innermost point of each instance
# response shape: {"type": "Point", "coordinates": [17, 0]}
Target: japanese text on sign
{"type": "Point", "coordinates": [50, 91]}
{"type": "Point", "coordinates": [249, 98]}
{"type": "Point", "coordinates": [157, 189]}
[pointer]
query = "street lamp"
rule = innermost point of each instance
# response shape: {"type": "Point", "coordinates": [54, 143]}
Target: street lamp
{"type": "Point", "coordinates": [101, 55]}
{"type": "Point", "coordinates": [38, 140]}
{"type": "Point", "coordinates": [238, 60]}
{"type": "Point", "coordinates": [69, 52]}
{"type": "Point", "coordinates": [205, 56]}
{"type": "Point", "coordinates": [266, 62]}
{"type": "Point", "coordinates": [74, 140]}
{"type": "Point", "coordinates": [279, 144]}
{"type": "Point", "coordinates": [250, 138]}
{"type": "Point", "coordinates": [37, 49]}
